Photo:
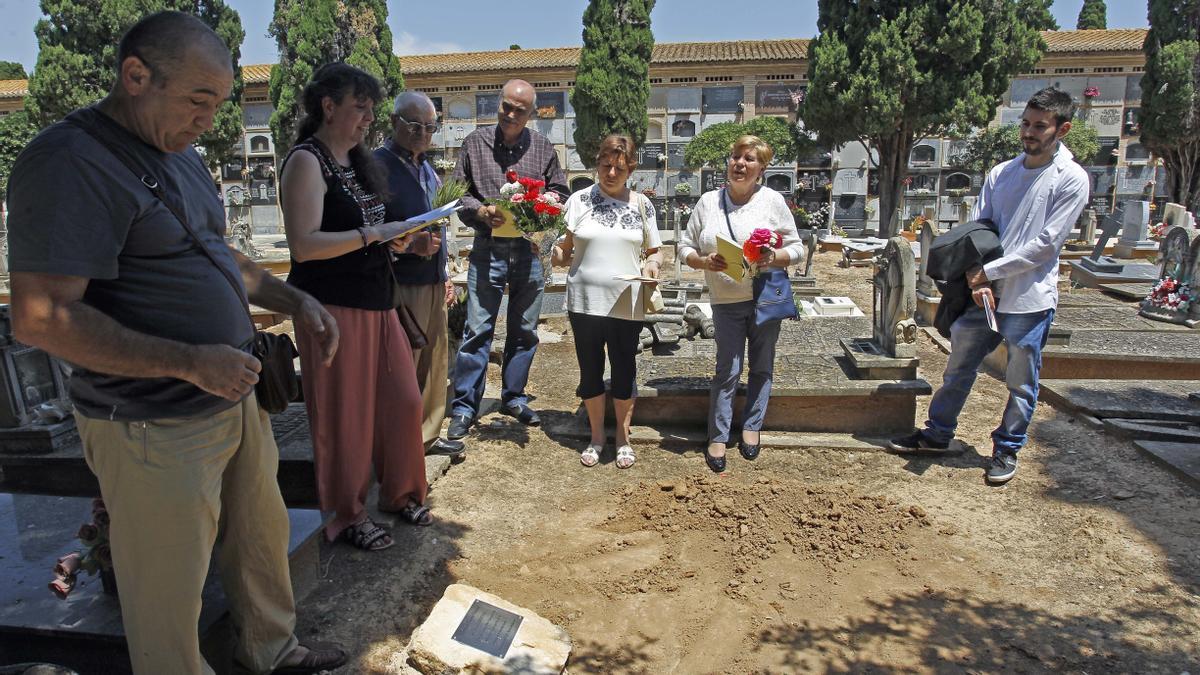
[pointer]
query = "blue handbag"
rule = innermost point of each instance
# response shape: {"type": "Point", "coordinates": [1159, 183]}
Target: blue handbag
{"type": "Point", "coordinates": [773, 299]}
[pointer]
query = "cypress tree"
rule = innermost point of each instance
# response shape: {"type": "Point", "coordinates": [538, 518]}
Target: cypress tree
{"type": "Point", "coordinates": [311, 33]}
{"type": "Point", "coordinates": [1092, 15]}
{"type": "Point", "coordinates": [612, 81]}
{"type": "Point", "coordinates": [1170, 114]}
{"type": "Point", "coordinates": [77, 53]}
{"type": "Point", "coordinates": [892, 71]}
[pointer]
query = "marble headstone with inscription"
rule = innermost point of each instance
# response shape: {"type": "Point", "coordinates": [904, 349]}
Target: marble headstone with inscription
{"type": "Point", "coordinates": [1134, 229]}
{"type": "Point", "coordinates": [1180, 248]}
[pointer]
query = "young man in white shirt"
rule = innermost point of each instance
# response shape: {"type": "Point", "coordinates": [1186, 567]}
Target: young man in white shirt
{"type": "Point", "coordinates": [1034, 200]}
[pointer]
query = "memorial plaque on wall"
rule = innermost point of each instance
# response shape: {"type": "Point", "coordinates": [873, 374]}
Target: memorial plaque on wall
{"type": "Point", "coordinates": [850, 181]}
{"type": "Point", "coordinates": [487, 105]}
{"type": "Point", "coordinates": [1107, 121]}
{"type": "Point", "coordinates": [684, 99]}
{"type": "Point", "coordinates": [1112, 90]}
{"type": "Point", "coordinates": [781, 180]}
{"type": "Point", "coordinates": [550, 104]}
{"type": "Point", "coordinates": [712, 179]}
{"type": "Point", "coordinates": [1133, 88]}
{"type": "Point", "coordinates": [653, 180]}
{"type": "Point", "coordinates": [709, 119]}
{"type": "Point", "coordinates": [574, 161]}
{"type": "Point", "coordinates": [648, 155]}
{"type": "Point", "coordinates": [460, 107]}
{"type": "Point", "coordinates": [658, 98]}
{"type": "Point", "coordinates": [1022, 90]}
{"type": "Point", "coordinates": [1108, 147]}
{"type": "Point", "coordinates": [1010, 116]}
{"type": "Point", "coordinates": [1072, 85]}
{"type": "Point", "coordinates": [1136, 152]}
{"type": "Point", "coordinates": [850, 207]}
{"type": "Point", "coordinates": [455, 133]}
{"type": "Point", "coordinates": [675, 155]}
{"type": "Point", "coordinates": [438, 140]}
{"type": "Point", "coordinates": [722, 99]}
{"type": "Point", "coordinates": [256, 115]}
{"type": "Point", "coordinates": [683, 127]}
{"type": "Point", "coordinates": [816, 156]}
{"type": "Point", "coordinates": [689, 177]}
{"type": "Point", "coordinates": [1132, 180]}
{"type": "Point", "coordinates": [777, 98]}
{"type": "Point", "coordinates": [553, 129]}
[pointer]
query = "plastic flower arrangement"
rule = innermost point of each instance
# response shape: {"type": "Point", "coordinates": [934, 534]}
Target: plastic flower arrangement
{"type": "Point", "coordinates": [443, 164]}
{"type": "Point", "coordinates": [1169, 293]}
{"type": "Point", "coordinates": [532, 209]}
{"type": "Point", "coordinates": [95, 558]}
{"type": "Point", "coordinates": [1159, 231]}
{"type": "Point", "coordinates": [1091, 92]}
{"type": "Point", "coordinates": [683, 189]}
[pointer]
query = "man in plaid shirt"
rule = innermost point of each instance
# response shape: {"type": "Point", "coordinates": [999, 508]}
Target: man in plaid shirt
{"type": "Point", "coordinates": [495, 262]}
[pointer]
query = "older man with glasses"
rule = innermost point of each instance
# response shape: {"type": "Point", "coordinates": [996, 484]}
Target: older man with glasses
{"type": "Point", "coordinates": [421, 277]}
{"type": "Point", "coordinates": [487, 154]}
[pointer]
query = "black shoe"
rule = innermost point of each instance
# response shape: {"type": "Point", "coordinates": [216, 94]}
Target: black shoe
{"type": "Point", "coordinates": [460, 425]}
{"type": "Point", "coordinates": [1002, 469]}
{"type": "Point", "coordinates": [717, 464]}
{"type": "Point", "coordinates": [443, 446]}
{"type": "Point", "coordinates": [748, 451]}
{"type": "Point", "coordinates": [524, 414]}
{"type": "Point", "coordinates": [915, 442]}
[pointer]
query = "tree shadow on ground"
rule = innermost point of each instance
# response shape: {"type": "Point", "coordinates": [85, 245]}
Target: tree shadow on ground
{"type": "Point", "coordinates": [589, 656]}
{"type": "Point", "coordinates": [949, 632]}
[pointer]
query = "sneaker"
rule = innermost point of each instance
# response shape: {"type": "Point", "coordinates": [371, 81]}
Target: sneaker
{"type": "Point", "coordinates": [1002, 469]}
{"type": "Point", "coordinates": [915, 442]}
{"type": "Point", "coordinates": [460, 425]}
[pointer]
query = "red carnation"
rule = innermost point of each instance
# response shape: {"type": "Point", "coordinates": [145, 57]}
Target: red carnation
{"type": "Point", "coordinates": [540, 207]}
{"type": "Point", "coordinates": [553, 210]}
{"type": "Point", "coordinates": [510, 176]}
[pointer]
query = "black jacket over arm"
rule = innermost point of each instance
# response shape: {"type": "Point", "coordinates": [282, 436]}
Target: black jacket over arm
{"type": "Point", "coordinates": [950, 256]}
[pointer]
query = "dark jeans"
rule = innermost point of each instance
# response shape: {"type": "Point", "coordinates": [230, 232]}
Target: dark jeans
{"type": "Point", "coordinates": [494, 264]}
{"type": "Point", "coordinates": [592, 334]}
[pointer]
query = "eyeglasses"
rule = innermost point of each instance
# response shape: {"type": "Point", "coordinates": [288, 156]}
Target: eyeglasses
{"type": "Point", "coordinates": [417, 127]}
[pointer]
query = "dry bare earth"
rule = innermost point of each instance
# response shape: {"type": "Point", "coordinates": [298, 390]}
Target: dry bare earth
{"type": "Point", "coordinates": [824, 561]}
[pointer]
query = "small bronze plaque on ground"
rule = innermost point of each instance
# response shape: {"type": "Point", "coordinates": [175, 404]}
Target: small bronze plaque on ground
{"type": "Point", "coordinates": [488, 628]}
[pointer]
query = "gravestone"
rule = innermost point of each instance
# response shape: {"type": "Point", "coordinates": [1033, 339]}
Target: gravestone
{"type": "Point", "coordinates": [1098, 269]}
{"type": "Point", "coordinates": [1179, 248]}
{"type": "Point", "coordinates": [1177, 215]}
{"type": "Point", "coordinates": [892, 348]}
{"type": "Point", "coordinates": [1097, 261]}
{"type": "Point", "coordinates": [928, 296]}
{"type": "Point", "coordinates": [1135, 230]}
{"type": "Point", "coordinates": [1087, 231]}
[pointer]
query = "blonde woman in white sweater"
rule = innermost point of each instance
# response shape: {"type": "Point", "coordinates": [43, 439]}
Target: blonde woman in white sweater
{"type": "Point", "coordinates": [734, 212]}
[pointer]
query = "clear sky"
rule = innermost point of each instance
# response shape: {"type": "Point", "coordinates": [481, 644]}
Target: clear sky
{"type": "Point", "coordinates": [428, 26]}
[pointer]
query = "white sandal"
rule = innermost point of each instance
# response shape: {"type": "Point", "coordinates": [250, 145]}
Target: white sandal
{"type": "Point", "coordinates": [590, 456]}
{"type": "Point", "coordinates": [625, 457]}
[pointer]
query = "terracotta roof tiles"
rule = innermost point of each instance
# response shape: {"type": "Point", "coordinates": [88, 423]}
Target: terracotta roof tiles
{"type": "Point", "coordinates": [14, 88]}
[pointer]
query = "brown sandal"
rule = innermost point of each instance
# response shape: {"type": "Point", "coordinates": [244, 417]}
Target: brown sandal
{"type": "Point", "coordinates": [367, 535]}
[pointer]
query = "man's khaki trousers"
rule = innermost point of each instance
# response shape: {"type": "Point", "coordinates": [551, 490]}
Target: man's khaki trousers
{"type": "Point", "coordinates": [428, 306]}
{"type": "Point", "coordinates": [173, 488]}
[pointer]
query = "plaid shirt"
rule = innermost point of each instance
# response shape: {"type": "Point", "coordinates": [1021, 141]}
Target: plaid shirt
{"type": "Point", "coordinates": [484, 159]}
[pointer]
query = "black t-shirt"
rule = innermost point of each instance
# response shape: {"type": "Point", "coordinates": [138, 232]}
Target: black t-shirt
{"type": "Point", "coordinates": [75, 209]}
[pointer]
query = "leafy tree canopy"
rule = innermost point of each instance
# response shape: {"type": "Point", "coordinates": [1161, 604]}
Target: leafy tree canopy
{"type": "Point", "coordinates": [77, 52]}
{"type": "Point", "coordinates": [711, 146]}
{"type": "Point", "coordinates": [993, 145]}
{"type": "Point", "coordinates": [11, 70]}
{"type": "Point", "coordinates": [16, 130]}
{"type": "Point", "coordinates": [1170, 113]}
{"type": "Point", "coordinates": [312, 33]}
{"type": "Point", "coordinates": [612, 81]}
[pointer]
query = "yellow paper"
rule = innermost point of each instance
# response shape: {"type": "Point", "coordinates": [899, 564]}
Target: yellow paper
{"type": "Point", "coordinates": [735, 260]}
{"type": "Point", "coordinates": [509, 228]}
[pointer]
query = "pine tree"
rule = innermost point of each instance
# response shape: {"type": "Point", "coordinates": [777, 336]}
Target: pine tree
{"type": "Point", "coordinates": [77, 53]}
{"type": "Point", "coordinates": [1092, 15]}
{"type": "Point", "coordinates": [612, 81]}
{"type": "Point", "coordinates": [1170, 114]}
{"type": "Point", "coordinates": [892, 71]}
{"type": "Point", "coordinates": [311, 33]}
{"type": "Point", "coordinates": [11, 70]}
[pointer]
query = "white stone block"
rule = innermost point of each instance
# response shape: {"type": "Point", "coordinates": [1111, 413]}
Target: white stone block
{"type": "Point", "coordinates": [834, 306]}
{"type": "Point", "coordinates": [539, 647]}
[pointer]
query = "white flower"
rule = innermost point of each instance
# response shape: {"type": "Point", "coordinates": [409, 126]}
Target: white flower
{"type": "Point", "coordinates": [510, 189]}
{"type": "Point", "coordinates": [550, 197]}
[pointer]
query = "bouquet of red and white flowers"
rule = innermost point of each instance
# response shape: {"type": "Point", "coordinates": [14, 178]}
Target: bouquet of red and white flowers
{"type": "Point", "coordinates": [1158, 231]}
{"type": "Point", "coordinates": [533, 209]}
{"type": "Point", "coordinates": [1168, 293]}
{"type": "Point", "coordinates": [755, 247]}
{"type": "Point", "coordinates": [96, 558]}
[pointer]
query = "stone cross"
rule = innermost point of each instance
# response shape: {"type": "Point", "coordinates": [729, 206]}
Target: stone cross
{"type": "Point", "coordinates": [895, 300]}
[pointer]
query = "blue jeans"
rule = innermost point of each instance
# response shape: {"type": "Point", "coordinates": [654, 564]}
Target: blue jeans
{"type": "Point", "coordinates": [735, 328]}
{"type": "Point", "coordinates": [494, 264]}
{"type": "Point", "coordinates": [970, 342]}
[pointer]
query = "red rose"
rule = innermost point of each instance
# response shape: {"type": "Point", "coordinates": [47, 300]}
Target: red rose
{"type": "Point", "coordinates": [510, 176]}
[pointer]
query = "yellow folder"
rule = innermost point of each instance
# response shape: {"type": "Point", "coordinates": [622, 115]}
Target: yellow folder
{"type": "Point", "coordinates": [735, 260]}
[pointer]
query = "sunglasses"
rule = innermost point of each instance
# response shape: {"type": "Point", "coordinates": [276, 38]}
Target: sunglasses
{"type": "Point", "coordinates": [417, 127]}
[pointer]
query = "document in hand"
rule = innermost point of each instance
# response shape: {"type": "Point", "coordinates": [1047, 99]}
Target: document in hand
{"type": "Point", "coordinates": [990, 313]}
{"type": "Point", "coordinates": [735, 260]}
{"type": "Point", "coordinates": [417, 222]}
